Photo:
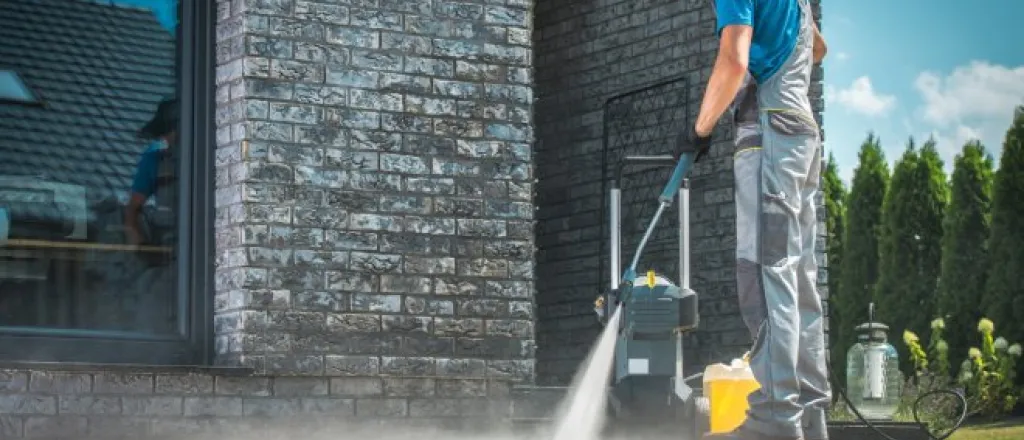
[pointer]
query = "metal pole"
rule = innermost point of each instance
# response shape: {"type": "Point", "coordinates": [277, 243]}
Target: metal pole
{"type": "Point", "coordinates": [679, 358]}
{"type": "Point", "coordinates": [684, 235]}
{"type": "Point", "coordinates": [615, 234]}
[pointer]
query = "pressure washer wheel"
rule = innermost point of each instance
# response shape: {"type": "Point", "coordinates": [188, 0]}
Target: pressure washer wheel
{"type": "Point", "coordinates": [701, 417]}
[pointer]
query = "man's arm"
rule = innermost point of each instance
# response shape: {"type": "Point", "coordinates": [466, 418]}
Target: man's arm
{"type": "Point", "coordinates": [820, 48]}
{"type": "Point", "coordinates": [142, 187]}
{"type": "Point", "coordinates": [726, 76]}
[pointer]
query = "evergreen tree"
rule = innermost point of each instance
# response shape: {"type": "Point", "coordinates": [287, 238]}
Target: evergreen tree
{"type": "Point", "coordinates": [858, 270]}
{"type": "Point", "coordinates": [964, 248]}
{"type": "Point", "coordinates": [1004, 296]}
{"type": "Point", "coordinates": [835, 221]}
{"type": "Point", "coordinates": [911, 243]}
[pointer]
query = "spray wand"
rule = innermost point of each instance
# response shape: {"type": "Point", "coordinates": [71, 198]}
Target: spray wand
{"type": "Point", "coordinates": [675, 182]}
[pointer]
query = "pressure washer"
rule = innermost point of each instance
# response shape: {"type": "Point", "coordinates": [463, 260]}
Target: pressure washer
{"type": "Point", "coordinates": [648, 385]}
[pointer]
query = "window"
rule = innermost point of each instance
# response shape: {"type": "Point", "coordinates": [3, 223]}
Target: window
{"type": "Point", "coordinates": [12, 88]}
{"type": "Point", "coordinates": [103, 190]}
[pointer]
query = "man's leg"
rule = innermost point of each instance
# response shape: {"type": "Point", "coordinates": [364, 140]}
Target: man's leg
{"type": "Point", "coordinates": [815, 392]}
{"type": "Point", "coordinates": [786, 159]}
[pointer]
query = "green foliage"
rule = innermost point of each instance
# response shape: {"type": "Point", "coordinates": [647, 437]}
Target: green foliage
{"type": "Point", "coordinates": [930, 373]}
{"type": "Point", "coordinates": [910, 244]}
{"type": "Point", "coordinates": [1004, 293]}
{"type": "Point", "coordinates": [858, 269]}
{"type": "Point", "coordinates": [989, 374]}
{"type": "Point", "coordinates": [964, 244]}
{"type": "Point", "coordinates": [835, 223]}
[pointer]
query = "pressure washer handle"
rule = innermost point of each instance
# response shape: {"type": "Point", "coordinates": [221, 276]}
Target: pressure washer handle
{"type": "Point", "coordinates": [682, 168]}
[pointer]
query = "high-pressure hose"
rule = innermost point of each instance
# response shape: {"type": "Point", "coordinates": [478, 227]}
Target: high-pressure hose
{"type": "Point", "coordinates": [914, 408]}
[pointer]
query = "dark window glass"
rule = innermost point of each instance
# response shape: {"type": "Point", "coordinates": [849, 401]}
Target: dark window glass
{"type": "Point", "coordinates": [89, 141]}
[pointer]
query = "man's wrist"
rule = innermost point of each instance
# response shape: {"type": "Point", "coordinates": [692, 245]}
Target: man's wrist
{"type": "Point", "coordinates": [701, 131]}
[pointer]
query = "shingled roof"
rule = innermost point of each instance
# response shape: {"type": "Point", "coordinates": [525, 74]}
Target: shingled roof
{"type": "Point", "coordinates": [99, 71]}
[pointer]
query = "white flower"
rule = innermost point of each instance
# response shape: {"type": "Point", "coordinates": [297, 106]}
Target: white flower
{"type": "Point", "coordinates": [1014, 350]}
{"type": "Point", "coordinates": [974, 353]}
{"type": "Point", "coordinates": [942, 347]}
{"type": "Point", "coordinates": [938, 324]}
{"type": "Point", "coordinates": [1001, 343]}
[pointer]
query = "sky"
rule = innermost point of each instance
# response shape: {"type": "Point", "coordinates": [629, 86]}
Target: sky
{"type": "Point", "coordinates": [950, 70]}
{"type": "Point", "coordinates": [166, 11]}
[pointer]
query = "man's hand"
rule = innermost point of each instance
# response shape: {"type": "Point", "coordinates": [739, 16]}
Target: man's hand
{"type": "Point", "coordinates": [694, 143]}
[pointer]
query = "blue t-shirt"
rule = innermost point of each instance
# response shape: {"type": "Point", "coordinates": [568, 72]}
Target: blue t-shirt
{"type": "Point", "coordinates": [148, 169]}
{"type": "Point", "coordinates": [776, 26]}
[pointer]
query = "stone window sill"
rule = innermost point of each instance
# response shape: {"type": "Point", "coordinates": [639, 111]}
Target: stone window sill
{"type": "Point", "coordinates": [127, 368]}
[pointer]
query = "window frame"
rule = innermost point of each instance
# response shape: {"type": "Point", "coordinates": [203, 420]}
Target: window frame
{"type": "Point", "coordinates": [195, 248]}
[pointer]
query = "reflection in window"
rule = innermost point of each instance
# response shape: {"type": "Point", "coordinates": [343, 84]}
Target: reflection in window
{"type": "Point", "coordinates": [88, 181]}
{"type": "Point", "coordinates": [12, 88]}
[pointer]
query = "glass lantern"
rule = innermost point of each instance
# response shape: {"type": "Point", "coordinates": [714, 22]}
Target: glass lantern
{"type": "Point", "coordinates": [873, 378]}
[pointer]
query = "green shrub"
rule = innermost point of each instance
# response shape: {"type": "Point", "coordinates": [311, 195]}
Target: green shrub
{"type": "Point", "coordinates": [987, 377]}
{"type": "Point", "coordinates": [931, 373]}
{"type": "Point", "coordinates": [989, 374]}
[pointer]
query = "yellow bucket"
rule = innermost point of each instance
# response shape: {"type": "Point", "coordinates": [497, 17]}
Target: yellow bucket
{"type": "Point", "coordinates": [727, 388]}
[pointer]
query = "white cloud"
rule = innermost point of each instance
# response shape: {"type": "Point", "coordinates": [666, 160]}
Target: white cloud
{"type": "Point", "coordinates": [861, 97]}
{"type": "Point", "coordinates": [973, 102]}
{"type": "Point", "coordinates": [842, 56]}
{"type": "Point", "coordinates": [976, 90]}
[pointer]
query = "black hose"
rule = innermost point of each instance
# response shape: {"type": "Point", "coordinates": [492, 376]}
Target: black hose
{"type": "Point", "coordinates": [914, 408]}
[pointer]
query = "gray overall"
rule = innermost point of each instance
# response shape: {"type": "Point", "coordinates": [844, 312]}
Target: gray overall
{"type": "Point", "coordinates": [777, 167]}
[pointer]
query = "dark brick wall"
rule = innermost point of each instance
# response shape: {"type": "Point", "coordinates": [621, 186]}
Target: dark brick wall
{"type": "Point", "coordinates": [588, 51]}
{"type": "Point", "coordinates": [122, 403]}
{"type": "Point", "coordinates": [374, 184]}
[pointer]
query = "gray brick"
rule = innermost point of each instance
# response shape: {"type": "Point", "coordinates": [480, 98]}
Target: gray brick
{"type": "Point", "coordinates": [213, 406]}
{"type": "Point", "coordinates": [329, 406]}
{"type": "Point", "coordinates": [128, 426]}
{"type": "Point", "coordinates": [300, 386]}
{"type": "Point", "coordinates": [357, 386]}
{"type": "Point", "coordinates": [271, 407]}
{"type": "Point", "coordinates": [382, 407]}
{"type": "Point", "coordinates": [153, 406]}
{"type": "Point", "coordinates": [27, 404]}
{"type": "Point", "coordinates": [351, 365]}
{"type": "Point", "coordinates": [60, 383]}
{"type": "Point", "coordinates": [13, 381]}
{"type": "Point", "coordinates": [55, 427]}
{"type": "Point", "coordinates": [11, 427]}
{"type": "Point", "coordinates": [79, 404]}
{"type": "Point", "coordinates": [242, 386]}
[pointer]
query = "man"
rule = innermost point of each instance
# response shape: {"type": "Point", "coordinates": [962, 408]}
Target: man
{"type": "Point", "coordinates": [154, 177]}
{"type": "Point", "coordinates": [777, 166]}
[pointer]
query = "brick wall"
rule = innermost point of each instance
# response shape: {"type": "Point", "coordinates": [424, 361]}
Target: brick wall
{"type": "Point", "coordinates": [124, 403]}
{"type": "Point", "coordinates": [375, 216]}
{"type": "Point", "coordinates": [818, 104]}
{"type": "Point", "coordinates": [586, 53]}
{"type": "Point", "coordinates": [374, 184]}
